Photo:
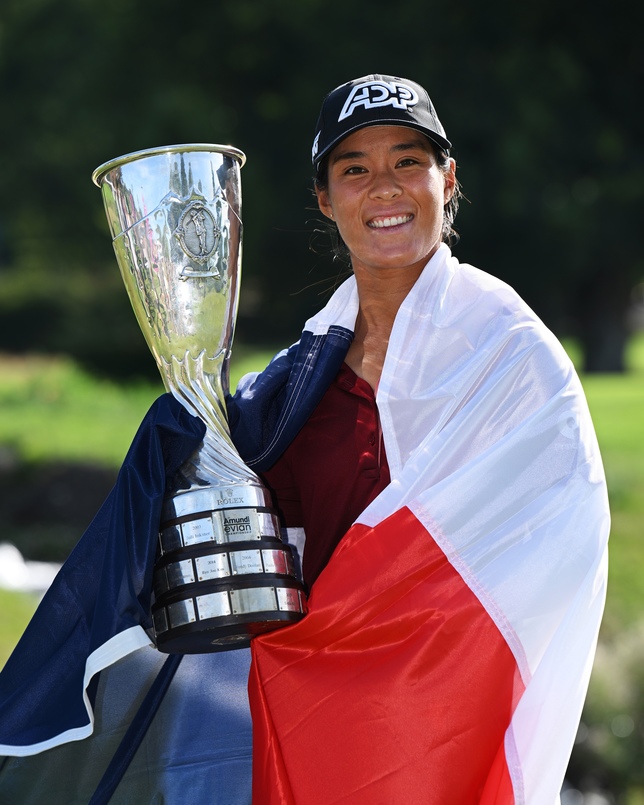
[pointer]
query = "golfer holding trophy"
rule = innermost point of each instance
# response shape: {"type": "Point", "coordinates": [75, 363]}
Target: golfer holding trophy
{"type": "Point", "coordinates": [222, 572]}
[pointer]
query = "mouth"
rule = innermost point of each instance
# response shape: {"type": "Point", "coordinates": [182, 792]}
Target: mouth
{"type": "Point", "coordinates": [386, 223]}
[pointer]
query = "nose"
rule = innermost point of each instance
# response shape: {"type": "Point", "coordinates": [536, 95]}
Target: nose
{"type": "Point", "coordinates": [385, 185]}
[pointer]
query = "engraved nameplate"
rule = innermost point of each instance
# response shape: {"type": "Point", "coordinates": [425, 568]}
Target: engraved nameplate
{"type": "Point", "coordinates": [214, 566]}
{"type": "Point", "coordinates": [170, 539]}
{"type": "Point", "coordinates": [268, 524]}
{"type": "Point", "coordinates": [288, 599]}
{"type": "Point", "coordinates": [246, 562]}
{"type": "Point", "coordinates": [160, 582]}
{"type": "Point", "coordinates": [160, 621]}
{"type": "Point", "coordinates": [196, 531]}
{"type": "Point", "coordinates": [278, 561]}
{"type": "Point", "coordinates": [180, 573]}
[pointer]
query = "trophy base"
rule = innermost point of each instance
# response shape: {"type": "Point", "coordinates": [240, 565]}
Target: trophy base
{"type": "Point", "coordinates": [228, 634]}
{"type": "Point", "coordinates": [210, 617]}
{"type": "Point", "coordinates": [222, 574]}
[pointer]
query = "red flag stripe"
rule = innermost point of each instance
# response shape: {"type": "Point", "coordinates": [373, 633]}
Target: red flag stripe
{"type": "Point", "coordinates": [396, 687]}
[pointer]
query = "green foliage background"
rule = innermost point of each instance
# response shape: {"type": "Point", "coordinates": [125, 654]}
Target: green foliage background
{"type": "Point", "coordinates": [539, 98]}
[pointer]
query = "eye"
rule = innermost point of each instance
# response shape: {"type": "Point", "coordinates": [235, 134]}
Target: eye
{"type": "Point", "coordinates": [407, 161]}
{"type": "Point", "coordinates": [354, 169]}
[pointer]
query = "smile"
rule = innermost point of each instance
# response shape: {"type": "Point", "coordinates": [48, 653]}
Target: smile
{"type": "Point", "coordinates": [396, 220]}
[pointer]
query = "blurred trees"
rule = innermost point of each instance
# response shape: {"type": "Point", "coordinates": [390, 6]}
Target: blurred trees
{"type": "Point", "coordinates": [540, 100]}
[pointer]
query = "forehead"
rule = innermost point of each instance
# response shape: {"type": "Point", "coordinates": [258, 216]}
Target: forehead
{"type": "Point", "coordinates": [373, 138]}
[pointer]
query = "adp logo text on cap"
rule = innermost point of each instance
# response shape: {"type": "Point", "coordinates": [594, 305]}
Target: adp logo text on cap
{"type": "Point", "coordinates": [374, 94]}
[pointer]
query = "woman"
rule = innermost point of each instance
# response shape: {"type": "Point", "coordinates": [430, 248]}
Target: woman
{"type": "Point", "coordinates": [429, 448]}
{"type": "Point", "coordinates": [385, 187]}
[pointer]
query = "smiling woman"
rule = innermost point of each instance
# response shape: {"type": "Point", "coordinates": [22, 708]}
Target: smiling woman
{"type": "Point", "coordinates": [426, 487]}
{"type": "Point", "coordinates": [386, 194]}
{"type": "Point", "coordinates": [429, 450]}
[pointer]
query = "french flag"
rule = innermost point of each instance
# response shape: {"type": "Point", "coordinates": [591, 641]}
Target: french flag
{"type": "Point", "coordinates": [449, 641]}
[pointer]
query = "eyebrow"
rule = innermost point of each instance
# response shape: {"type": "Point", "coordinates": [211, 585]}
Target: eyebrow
{"type": "Point", "coordinates": [344, 156]}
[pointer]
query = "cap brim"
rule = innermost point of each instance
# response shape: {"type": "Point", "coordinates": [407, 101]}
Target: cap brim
{"type": "Point", "coordinates": [442, 142]}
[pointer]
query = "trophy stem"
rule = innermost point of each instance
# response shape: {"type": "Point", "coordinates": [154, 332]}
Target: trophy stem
{"type": "Point", "coordinates": [199, 384]}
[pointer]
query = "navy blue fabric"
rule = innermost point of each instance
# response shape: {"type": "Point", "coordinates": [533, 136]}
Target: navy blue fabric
{"type": "Point", "coordinates": [269, 409]}
{"type": "Point", "coordinates": [102, 589]}
{"type": "Point", "coordinates": [199, 741]}
{"type": "Point", "coordinates": [135, 733]}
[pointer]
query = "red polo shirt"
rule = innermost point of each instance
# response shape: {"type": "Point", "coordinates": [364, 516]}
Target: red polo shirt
{"type": "Point", "coordinates": [334, 467]}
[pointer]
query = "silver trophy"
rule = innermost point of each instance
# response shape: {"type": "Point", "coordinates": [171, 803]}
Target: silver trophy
{"type": "Point", "coordinates": [222, 573]}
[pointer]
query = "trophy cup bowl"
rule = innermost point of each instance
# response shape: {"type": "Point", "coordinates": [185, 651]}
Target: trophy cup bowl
{"type": "Point", "coordinates": [222, 573]}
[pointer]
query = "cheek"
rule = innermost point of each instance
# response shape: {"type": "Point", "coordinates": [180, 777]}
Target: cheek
{"type": "Point", "coordinates": [344, 208]}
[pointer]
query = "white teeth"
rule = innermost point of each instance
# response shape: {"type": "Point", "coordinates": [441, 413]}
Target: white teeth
{"type": "Point", "coordinates": [395, 221]}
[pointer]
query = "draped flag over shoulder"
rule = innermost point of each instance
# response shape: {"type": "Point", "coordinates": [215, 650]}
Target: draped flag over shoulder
{"type": "Point", "coordinates": [447, 651]}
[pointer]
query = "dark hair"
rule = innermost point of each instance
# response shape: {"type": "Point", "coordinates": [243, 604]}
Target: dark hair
{"type": "Point", "coordinates": [450, 236]}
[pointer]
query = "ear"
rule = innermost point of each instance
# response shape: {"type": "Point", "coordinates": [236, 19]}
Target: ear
{"type": "Point", "coordinates": [323, 202]}
{"type": "Point", "coordinates": [450, 180]}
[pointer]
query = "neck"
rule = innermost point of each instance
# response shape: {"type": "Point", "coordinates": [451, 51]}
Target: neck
{"type": "Point", "coordinates": [380, 298]}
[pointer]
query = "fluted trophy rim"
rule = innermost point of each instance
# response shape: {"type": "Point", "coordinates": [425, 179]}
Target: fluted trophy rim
{"type": "Point", "coordinates": [230, 150]}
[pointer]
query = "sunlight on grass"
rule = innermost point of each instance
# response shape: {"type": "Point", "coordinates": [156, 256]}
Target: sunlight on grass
{"type": "Point", "coordinates": [617, 406]}
{"type": "Point", "coordinates": [51, 409]}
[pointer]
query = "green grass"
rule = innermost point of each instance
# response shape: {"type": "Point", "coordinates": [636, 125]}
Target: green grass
{"type": "Point", "coordinates": [616, 404]}
{"type": "Point", "coordinates": [51, 410]}
{"type": "Point", "coordinates": [617, 407]}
